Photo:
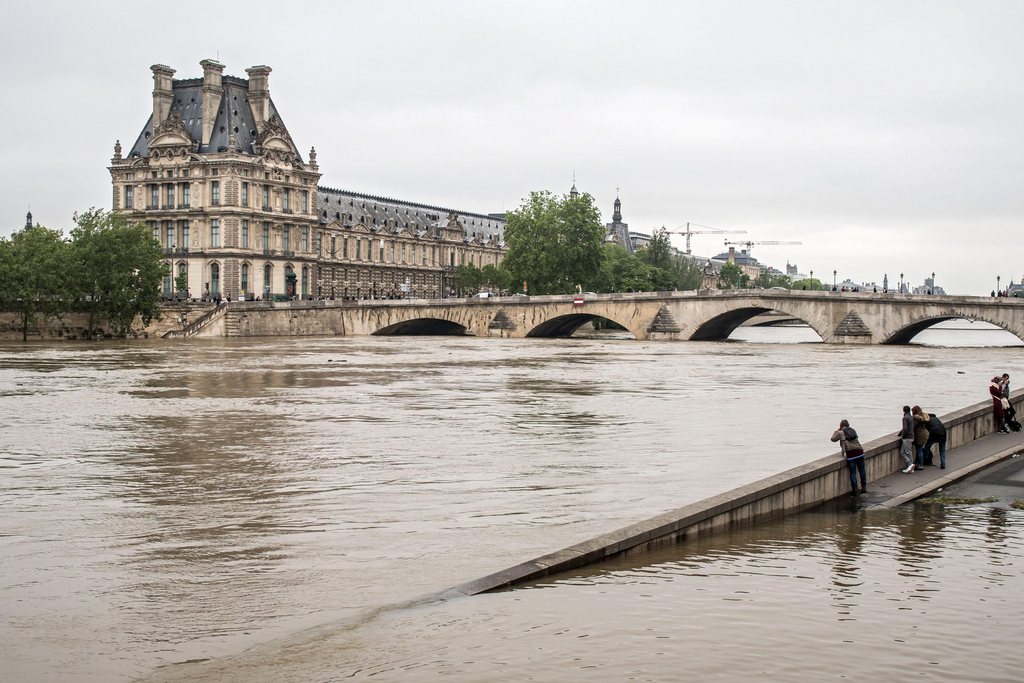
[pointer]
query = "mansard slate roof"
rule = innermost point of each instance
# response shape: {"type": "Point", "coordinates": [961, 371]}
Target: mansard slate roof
{"type": "Point", "coordinates": [234, 116]}
{"type": "Point", "coordinates": [376, 211]}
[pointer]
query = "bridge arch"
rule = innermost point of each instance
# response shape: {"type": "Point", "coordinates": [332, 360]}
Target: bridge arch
{"type": "Point", "coordinates": [906, 334]}
{"type": "Point", "coordinates": [565, 325]}
{"type": "Point", "coordinates": [720, 326]}
{"type": "Point", "coordinates": [423, 327]}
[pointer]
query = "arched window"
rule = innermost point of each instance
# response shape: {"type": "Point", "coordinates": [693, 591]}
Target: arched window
{"type": "Point", "coordinates": [214, 279]}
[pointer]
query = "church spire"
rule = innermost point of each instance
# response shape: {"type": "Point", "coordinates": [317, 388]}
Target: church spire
{"type": "Point", "coordinates": [28, 219]}
{"type": "Point", "coordinates": [617, 213]}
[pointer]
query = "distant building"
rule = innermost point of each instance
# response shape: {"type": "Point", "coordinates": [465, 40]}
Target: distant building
{"type": "Point", "coordinates": [618, 232]}
{"type": "Point", "coordinates": [929, 288]}
{"type": "Point", "coordinates": [217, 178]}
{"type": "Point", "coordinates": [747, 263]}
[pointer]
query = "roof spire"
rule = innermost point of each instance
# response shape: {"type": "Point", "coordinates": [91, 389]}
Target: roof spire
{"type": "Point", "coordinates": [617, 213]}
{"type": "Point", "coordinates": [28, 218]}
{"type": "Point", "coordinates": [574, 192]}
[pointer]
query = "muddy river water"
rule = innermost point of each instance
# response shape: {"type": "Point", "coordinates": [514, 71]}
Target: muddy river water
{"type": "Point", "coordinates": [284, 509]}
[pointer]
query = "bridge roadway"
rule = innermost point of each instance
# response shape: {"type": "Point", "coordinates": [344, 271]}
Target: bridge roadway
{"type": "Point", "coordinates": [837, 317]}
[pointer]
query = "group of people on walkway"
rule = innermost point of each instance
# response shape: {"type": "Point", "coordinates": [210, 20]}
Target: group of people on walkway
{"type": "Point", "coordinates": [919, 433]}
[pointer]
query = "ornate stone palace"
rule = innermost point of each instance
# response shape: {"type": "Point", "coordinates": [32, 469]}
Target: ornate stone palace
{"type": "Point", "coordinates": [217, 177]}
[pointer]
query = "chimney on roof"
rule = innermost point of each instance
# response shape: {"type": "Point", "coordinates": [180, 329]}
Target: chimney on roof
{"type": "Point", "coordinates": [732, 254]}
{"type": "Point", "coordinates": [259, 94]}
{"type": "Point", "coordinates": [213, 92]}
{"type": "Point", "coordinates": [162, 92]}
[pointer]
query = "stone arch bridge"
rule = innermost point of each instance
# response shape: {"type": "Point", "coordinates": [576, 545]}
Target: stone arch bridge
{"type": "Point", "coordinates": [837, 317]}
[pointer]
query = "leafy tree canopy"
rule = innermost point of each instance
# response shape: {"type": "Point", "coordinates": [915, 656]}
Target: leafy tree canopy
{"type": "Point", "coordinates": [33, 275]}
{"type": "Point", "coordinates": [733, 277]}
{"type": "Point", "coordinates": [118, 268]}
{"type": "Point", "coordinates": [658, 251]}
{"type": "Point", "coordinates": [554, 243]}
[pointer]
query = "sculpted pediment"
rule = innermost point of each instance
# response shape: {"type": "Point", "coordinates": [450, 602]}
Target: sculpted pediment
{"type": "Point", "coordinates": [172, 132]}
{"type": "Point", "coordinates": [274, 142]}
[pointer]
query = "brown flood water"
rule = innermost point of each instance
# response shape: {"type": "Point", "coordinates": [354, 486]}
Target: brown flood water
{"type": "Point", "coordinates": [279, 509]}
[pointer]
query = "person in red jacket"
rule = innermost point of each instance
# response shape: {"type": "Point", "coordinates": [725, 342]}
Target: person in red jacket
{"type": "Point", "coordinates": [996, 390]}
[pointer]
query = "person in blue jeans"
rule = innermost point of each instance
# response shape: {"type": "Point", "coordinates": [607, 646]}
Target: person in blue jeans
{"type": "Point", "coordinates": [937, 435]}
{"type": "Point", "coordinates": [847, 438]}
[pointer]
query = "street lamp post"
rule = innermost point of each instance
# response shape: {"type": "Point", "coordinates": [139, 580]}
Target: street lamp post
{"type": "Point", "coordinates": [933, 283]}
{"type": "Point", "coordinates": [833, 279]}
{"type": "Point", "coordinates": [998, 290]}
{"type": "Point", "coordinates": [901, 283]}
{"type": "Point", "coordinates": [812, 278]}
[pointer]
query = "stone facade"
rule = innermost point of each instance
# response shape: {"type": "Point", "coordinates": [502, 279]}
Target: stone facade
{"type": "Point", "coordinates": [217, 178]}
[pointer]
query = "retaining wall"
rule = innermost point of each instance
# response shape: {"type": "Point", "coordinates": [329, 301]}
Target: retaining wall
{"type": "Point", "coordinates": [794, 490]}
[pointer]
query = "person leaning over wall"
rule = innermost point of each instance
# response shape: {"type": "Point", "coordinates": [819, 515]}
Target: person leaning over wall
{"type": "Point", "coordinates": [937, 435]}
{"type": "Point", "coordinates": [854, 452]}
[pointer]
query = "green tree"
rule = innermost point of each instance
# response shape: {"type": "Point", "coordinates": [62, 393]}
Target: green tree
{"type": "Point", "coordinates": [807, 283]}
{"type": "Point", "coordinates": [118, 268]}
{"type": "Point", "coordinates": [766, 279]}
{"type": "Point", "coordinates": [554, 243]}
{"type": "Point", "coordinates": [687, 273]}
{"type": "Point", "coordinates": [496, 277]}
{"type": "Point", "coordinates": [34, 275]}
{"type": "Point", "coordinates": [733, 277]}
{"type": "Point", "coordinates": [658, 251]}
{"type": "Point", "coordinates": [467, 278]}
{"type": "Point", "coordinates": [181, 283]}
{"type": "Point", "coordinates": [622, 272]}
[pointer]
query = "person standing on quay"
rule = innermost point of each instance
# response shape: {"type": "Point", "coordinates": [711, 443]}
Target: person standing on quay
{"type": "Point", "coordinates": [995, 389]}
{"type": "Point", "coordinates": [848, 441]}
{"type": "Point", "coordinates": [937, 435]}
{"type": "Point", "coordinates": [906, 435]}
{"type": "Point", "coordinates": [1008, 412]}
{"type": "Point", "coordinates": [922, 456]}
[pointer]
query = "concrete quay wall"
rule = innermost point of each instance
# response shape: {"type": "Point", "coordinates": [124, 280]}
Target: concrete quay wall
{"type": "Point", "coordinates": [795, 490]}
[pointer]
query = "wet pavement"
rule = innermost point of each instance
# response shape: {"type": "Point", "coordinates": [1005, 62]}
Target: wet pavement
{"type": "Point", "coordinates": [985, 467]}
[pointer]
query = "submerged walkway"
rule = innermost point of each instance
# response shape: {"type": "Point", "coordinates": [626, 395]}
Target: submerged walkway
{"type": "Point", "coordinates": [802, 488]}
{"type": "Point", "coordinates": [961, 462]}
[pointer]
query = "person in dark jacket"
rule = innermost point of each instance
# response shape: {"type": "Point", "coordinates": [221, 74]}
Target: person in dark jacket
{"type": "Point", "coordinates": [906, 435]}
{"type": "Point", "coordinates": [922, 456]}
{"type": "Point", "coordinates": [937, 435]}
{"type": "Point", "coordinates": [1009, 414]}
{"type": "Point", "coordinates": [847, 438]}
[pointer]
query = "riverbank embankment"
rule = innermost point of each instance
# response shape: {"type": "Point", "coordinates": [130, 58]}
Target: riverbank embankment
{"type": "Point", "coordinates": [174, 316]}
{"type": "Point", "coordinates": [971, 445]}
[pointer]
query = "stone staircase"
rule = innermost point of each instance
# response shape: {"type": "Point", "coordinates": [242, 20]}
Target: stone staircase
{"type": "Point", "coordinates": [231, 323]}
{"type": "Point", "coordinates": [199, 324]}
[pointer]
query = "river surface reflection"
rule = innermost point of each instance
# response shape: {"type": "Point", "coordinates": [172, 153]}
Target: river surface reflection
{"type": "Point", "coordinates": [276, 508]}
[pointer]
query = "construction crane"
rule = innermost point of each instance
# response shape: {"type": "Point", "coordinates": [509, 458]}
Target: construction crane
{"type": "Point", "coordinates": [751, 243]}
{"type": "Point", "coordinates": [707, 231]}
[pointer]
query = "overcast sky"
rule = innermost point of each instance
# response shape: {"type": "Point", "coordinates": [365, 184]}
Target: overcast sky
{"type": "Point", "coordinates": [884, 136]}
